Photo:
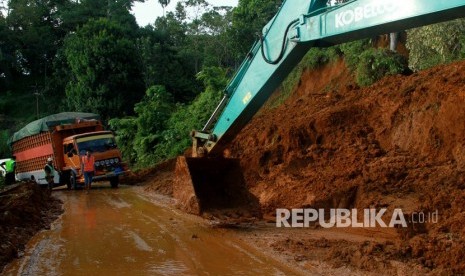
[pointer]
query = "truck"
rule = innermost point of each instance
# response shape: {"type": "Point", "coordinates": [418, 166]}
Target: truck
{"type": "Point", "coordinates": [206, 180]}
{"type": "Point", "coordinates": [65, 138]}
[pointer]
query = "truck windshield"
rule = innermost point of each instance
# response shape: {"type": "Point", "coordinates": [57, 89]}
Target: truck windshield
{"type": "Point", "coordinates": [98, 143]}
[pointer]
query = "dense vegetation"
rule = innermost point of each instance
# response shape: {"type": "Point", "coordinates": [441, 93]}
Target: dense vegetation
{"type": "Point", "coordinates": [154, 84]}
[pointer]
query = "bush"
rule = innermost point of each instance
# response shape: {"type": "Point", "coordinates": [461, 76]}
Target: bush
{"type": "Point", "coordinates": [376, 63]}
{"type": "Point", "coordinates": [435, 44]}
{"type": "Point", "coordinates": [352, 51]}
{"type": "Point", "coordinates": [317, 57]}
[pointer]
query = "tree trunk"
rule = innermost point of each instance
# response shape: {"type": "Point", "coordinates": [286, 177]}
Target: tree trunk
{"type": "Point", "coordinates": [393, 40]}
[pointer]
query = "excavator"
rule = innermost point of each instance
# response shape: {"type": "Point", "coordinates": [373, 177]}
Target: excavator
{"type": "Point", "coordinates": [208, 181]}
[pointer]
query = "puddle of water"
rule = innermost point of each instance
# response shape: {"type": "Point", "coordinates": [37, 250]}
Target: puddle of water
{"type": "Point", "coordinates": [118, 231]}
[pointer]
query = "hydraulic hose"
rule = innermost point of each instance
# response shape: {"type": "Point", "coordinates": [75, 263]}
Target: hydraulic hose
{"type": "Point", "coordinates": [283, 45]}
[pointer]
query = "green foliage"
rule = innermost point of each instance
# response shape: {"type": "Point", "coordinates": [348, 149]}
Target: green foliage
{"type": "Point", "coordinates": [20, 108]}
{"type": "Point", "coordinates": [160, 128]}
{"type": "Point", "coordinates": [126, 130]}
{"type": "Point", "coordinates": [4, 63]}
{"type": "Point", "coordinates": [152, 115]}
{"type": "Point", "coordinates": [249, 17]}
{"type": "Point", "coordinates": [4, 148]}
{"type": "Point", "coordinates": [106, 78]}
{"type": "Point", "coordinates": [186, 118]}
{"type": "Point", "coordinates": [377, 63]}
{"type": "Point", "coordinates": [371, 64]}
{"type": "Point", "coordinates": [165, 62]}
{"type": "Point", "coordinates": [74, 14]}
{"type": "Point", "coordinates": [435, 44]}
{"type": "Point", "coordinates": [352, 51]}
{"type": "Point", "coordinates": [34, 36]}
{"type": "Point", "coordinates": [137, 136]}
{"type": "Point", "coordinates": [215, 44]}
{"type": "Point", "coordinates": [154, 109]}
{"type": "Point", "coordinates": [317, 57]}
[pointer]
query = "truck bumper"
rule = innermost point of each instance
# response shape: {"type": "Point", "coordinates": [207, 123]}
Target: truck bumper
{"type": "Point", "coordinates": [107, 176]}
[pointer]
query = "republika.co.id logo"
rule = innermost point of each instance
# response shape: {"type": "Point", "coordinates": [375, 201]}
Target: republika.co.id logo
{"type": "Point", "coordinates": [370, 218]}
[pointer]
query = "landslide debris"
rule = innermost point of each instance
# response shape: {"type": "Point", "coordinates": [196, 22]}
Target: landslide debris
{"type": "Point", "coordinates": [397, 144]}
{"type": "Point", "coordinates": [25, 209]}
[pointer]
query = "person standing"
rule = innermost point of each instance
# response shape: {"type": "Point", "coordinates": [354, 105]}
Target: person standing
{"type": "Point", "coordinates": [49, 173]}
{"type": "Point", "coordinates": [88, 168]}
{"type": "Point", "coordinates": [10, 170]}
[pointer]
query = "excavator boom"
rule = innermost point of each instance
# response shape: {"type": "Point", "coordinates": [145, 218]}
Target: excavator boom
{"type": "Point", "coordinates": [298, 26]}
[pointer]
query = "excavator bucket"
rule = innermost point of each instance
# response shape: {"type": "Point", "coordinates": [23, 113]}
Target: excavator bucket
{"type": "Point", "coordinates": [213, 186]}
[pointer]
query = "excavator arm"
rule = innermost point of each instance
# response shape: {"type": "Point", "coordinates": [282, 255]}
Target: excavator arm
{"type": "Point", "coordinates": [209, 184]}
{"type": "Point", "coordinates": [298, 26]}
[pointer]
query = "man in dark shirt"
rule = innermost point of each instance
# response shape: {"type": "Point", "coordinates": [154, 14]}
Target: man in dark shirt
{"type": "Point", "coordinates": [49, 173]}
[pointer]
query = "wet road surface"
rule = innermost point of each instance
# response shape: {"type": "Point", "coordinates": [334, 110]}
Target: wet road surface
{"type": "Point", "coordinates": [123, 232]}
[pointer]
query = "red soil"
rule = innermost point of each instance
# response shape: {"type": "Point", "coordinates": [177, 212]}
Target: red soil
{"type": "Point", "coordinates": [397, 144]}
{"type": "Point", "coordinates": [25, 209]}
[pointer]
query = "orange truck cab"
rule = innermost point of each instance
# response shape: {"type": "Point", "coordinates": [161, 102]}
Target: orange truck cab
{"type": "Point", "coordinates": [65, 137]}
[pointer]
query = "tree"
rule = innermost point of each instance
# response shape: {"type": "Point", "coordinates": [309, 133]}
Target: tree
{"type": "Point", "coordinates": [75, 14]}
{"type": "Point", "coordinates": [36, 37]}
{"type": "Point", "coordinates": [164, 61]}
{"type": "Point", "coordinates": [4, 64]}
{"type": "Point", "coordinates": [104, 64]}
{"type": "Point", "coordinates": [153, 113]}
{"type": "Point", "coordinates": [218, 49]}
{"type": "Point", "coordinates": [163, 4]}
{"type": "Point", "coordinates": [249, 17]}
{"type": "Point", "coordinates": [175, 138]}
{"type": "Point", "coordinates": [192, 11]}
{"type": "Point", "coordinates": [138, 136]}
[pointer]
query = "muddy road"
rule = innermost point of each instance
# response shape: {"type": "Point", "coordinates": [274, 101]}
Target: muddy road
{"type": "Point", "coordinates": [126, 232]}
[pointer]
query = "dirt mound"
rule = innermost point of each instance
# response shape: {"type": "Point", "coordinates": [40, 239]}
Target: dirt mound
{"type": "Point", "coordinates": [158, 178]}
{"type": "Point", "coordinates": [25, 208]}
{"type": "Point", "coordinates": [397, 144]}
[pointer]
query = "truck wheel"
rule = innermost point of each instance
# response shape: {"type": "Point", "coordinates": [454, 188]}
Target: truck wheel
{"type": "Point", "coordinates": [72, 181]}
{"type": "Point", "coordinates": [66, 178]}
{"type": "Point", "coordinates": [114, 181]}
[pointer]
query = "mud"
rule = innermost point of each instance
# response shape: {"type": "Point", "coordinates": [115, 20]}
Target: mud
{"type": "Point", "coordinates": [25, 209]}
{"type": "Point", "coordinates": [126, 231]}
